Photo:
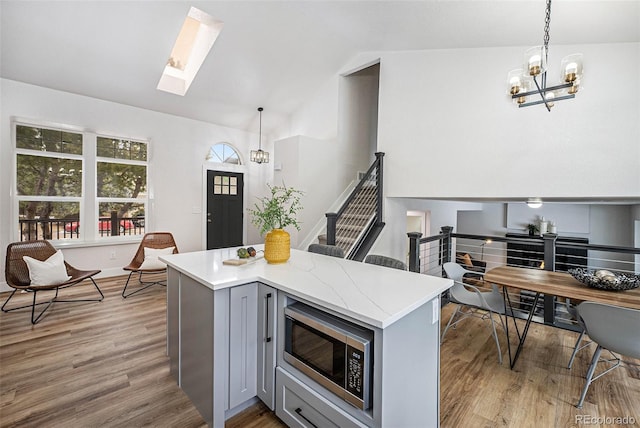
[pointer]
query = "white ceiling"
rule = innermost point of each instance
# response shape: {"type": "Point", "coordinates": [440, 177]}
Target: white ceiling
{"type": "Point", "coordinates": [273, 54]}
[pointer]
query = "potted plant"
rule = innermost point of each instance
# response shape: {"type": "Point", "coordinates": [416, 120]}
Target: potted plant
{"type": "Point", "coordinates": [533, 229]}
{"type": "Point", "coordinates": [271, 214]}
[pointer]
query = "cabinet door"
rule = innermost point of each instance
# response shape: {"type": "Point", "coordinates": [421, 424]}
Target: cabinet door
{"type": "Point", "coordinates": [243, 341]}
{"type": "Point", "coordinates": [266, 343]}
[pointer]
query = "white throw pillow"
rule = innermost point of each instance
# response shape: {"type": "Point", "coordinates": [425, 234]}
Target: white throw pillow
{"type": "Point", "coordinates": [49, 272]}
{"type": "Point", "coordinates": [151, 261]}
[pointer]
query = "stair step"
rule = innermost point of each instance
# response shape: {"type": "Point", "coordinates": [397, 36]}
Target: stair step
{"type": "Point", "coordinates": [322, 239]}
{"type": "Point", "coordinates": [359, 209]}
{"type": "Point", "coordinates": [345, 240]}
{"type": "Point", "coordinates": [352, 216]}
{"type": "Point", "coordinates": [349, 227]}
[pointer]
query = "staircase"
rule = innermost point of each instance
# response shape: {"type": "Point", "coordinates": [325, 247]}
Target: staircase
{"type": "Point", "coordinates": [358, 222]}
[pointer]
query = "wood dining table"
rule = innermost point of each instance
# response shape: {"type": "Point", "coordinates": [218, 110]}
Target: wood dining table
{"type": "Point", "coordinates": [548, 283]}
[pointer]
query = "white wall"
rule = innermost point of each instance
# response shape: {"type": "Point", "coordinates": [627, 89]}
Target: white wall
{"type": "Point", "coordinates": [392, 241]}
{"type": "Point", "coordinates": [323, 169]}
{"type": "Point", "coordinates": [607, 224]}
{"type": "Point", "coordinates": [304, 167]}
{"type": "Point", "coordinates": [178, 148]}
{"type": "Point", "coordinates": [449, 130]}
{"type": "Point", "coordinates": [447, 123]}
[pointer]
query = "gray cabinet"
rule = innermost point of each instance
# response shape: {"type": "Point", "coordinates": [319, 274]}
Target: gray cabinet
{"type": "Point", "coordinates": [212, 343]}
{"type": "Point", "coordinates": [267, 298]}
{"type": "Point", "coordinates": [406, 377]}
{"type": "Point", "coordinates": [192, 353]}
{"type": "Point", "coordinates": [300, 406]}
{"type": "Point", "coordinates": [243, 343]}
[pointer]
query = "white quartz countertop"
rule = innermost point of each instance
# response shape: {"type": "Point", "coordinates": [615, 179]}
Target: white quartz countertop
{"type": "Point", "coordinates": [375, 295]}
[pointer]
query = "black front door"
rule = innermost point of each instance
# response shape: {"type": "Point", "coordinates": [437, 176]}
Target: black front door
{"type": "Point", "coordinates": [224, 209]}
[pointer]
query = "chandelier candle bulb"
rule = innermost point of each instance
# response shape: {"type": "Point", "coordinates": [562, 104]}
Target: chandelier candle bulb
{"type": "Point", "coordinates": [573, 89]}
{"type": "Point", "coordinates": [522, 99]}
{"type": "Point", "coordinates": [549, 97]}
{"type": "Point", "coordinates": [570, 72]}
{"type": "Point", "coordinates": [535, 62]}
{"type": "Point", "coordinates": [515, 78]}
{"type": "Point", "coordinates": [515, 85]}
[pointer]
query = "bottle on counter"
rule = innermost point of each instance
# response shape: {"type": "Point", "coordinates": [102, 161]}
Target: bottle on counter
{"type": "Point", "coordinates": [543, 226]}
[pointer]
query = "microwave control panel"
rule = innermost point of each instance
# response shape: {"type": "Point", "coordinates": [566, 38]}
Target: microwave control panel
{"type": "Point", "coordinates": [355, 370]}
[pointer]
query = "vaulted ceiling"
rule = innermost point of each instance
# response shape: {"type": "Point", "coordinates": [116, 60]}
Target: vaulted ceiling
{"type": "Point", "coordinates": [273, 54]}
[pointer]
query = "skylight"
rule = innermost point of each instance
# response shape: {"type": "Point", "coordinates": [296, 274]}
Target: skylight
{"type": "Point", "coordinates": [198, 34]}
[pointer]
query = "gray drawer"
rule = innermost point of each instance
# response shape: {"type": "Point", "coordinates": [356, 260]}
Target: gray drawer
{"type": "Point", "coordinates": [299, 406]}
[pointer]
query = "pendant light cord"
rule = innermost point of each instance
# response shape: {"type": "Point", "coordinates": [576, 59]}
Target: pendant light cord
{"type": "Point", "coordinates": [260, 135]}
{"type": "Point", "coordinates": [547, 21]}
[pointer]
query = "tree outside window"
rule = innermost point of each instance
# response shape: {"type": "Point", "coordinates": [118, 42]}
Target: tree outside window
{"type": "Point", "coordinates": [121, 185]}
{"type": "Point", "coordinates": [51, 170]}
{"type": "Point", "coordinates": [49, 167]}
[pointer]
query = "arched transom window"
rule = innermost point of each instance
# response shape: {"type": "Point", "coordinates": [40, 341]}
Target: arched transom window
{"type": "Point", "coordinates": [223, 153]}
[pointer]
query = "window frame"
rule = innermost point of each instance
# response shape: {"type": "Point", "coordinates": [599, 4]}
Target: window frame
{"type": "Point", "coordinates": [211, 159]}
{"type": "Point", "coordinates": [88, 200]}
{"type": "Point", "coordinates": [102, 199]}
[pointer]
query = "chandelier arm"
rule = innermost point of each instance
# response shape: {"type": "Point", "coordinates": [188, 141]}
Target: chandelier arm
{"type": "Point", "coordinates": [544, 90]}
{"type": "Point", "coordinates": [533, 103]}
{"type": "Point", "coordinates": [540, 91]}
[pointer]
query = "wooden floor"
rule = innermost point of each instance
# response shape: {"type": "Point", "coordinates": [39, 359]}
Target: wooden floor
{"type": "Point", "coordinates": [104, 365]}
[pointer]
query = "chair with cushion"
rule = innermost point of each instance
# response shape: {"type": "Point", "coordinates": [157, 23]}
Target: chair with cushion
{"type": "Point", "coordinates": [473, 302]}
{"type": "Point", "coordinates": [613, 328]}
{"type": "Point", "coordinates": [469, 263]}
{"type": "Point", "coordinates": [35, 266]}
{"type": "Point", "coordinates": [327, 250]}
{"type": "Point", "coordinates": [376, 259]}
{"type": "Point", "coordinates": [145, 261]}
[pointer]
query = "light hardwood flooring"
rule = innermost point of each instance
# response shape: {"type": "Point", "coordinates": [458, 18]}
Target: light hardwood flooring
{"type": "Point", "coordinates": [104, 365]}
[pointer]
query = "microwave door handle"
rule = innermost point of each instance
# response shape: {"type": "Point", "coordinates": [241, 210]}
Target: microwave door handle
{"type": "Point", "coordinates": [266, 312]}
{"type": "Point", "coordinates": [299, 411]}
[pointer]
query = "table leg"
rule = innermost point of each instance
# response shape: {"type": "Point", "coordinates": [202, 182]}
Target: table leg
{"type": "Point", "coordinates": [523, 336]}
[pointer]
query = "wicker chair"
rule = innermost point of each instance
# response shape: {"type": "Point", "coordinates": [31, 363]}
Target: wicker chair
{"type": "Point", "coordinates": [17, 275]}
{"type": "Point", "coordinates": [155, 240]}
{"type": "Point", "coordinates": [376, 259]}
{"type": "Point", "coordinates": [327, 250]}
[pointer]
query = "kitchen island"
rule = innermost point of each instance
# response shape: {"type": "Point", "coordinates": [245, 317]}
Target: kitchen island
{"type": "Point", "coordinates": [226, 330]}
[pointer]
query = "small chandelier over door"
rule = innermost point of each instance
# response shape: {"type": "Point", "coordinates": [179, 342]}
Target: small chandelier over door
{"type": "Point", "coordinates": [522, 81]}
{"type": "Point", "coordinates": [260, 156]}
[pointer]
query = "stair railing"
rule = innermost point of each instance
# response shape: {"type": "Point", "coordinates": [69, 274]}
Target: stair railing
{"type": "Point", "coordinates": [362, 208]}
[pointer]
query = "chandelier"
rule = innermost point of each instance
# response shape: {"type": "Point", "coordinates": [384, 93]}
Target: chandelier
{"type": "Point", "coordinates": [260, 156]}
{"type": "Point", "coordinates": [534, 72]}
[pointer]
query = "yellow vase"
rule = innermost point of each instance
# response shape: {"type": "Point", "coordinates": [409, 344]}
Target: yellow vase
{"type": "Point", "coordinates": [277, 246]}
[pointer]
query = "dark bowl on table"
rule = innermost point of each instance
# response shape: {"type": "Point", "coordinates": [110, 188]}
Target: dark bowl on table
{"type": "Point", "coordinates": [606, 280]}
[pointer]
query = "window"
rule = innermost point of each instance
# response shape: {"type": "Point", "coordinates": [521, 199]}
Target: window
{"type": "Point", "coordinates": [49, 177]}
{"type": "Point", "coordinates": [121, 185]}
{"type": "Point", "coordinates": [53, 171]}
{"type": "Point", "coordinates": [225, 185]}
{"type": "Point", "coordinates": [223, 153]}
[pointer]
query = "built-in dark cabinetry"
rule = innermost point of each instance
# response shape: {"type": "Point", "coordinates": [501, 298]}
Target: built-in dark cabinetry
{"type": "Point", "coordinates": [531, 253]}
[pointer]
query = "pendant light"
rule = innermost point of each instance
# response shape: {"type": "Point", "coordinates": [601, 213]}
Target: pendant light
{"type": "Point", "coordinates": [523, 82]}
{"type": "Point", "coordinates": [260, 156]}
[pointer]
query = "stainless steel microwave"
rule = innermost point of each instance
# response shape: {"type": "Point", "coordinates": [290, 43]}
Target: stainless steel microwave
{"type": "Point", "coordinates": [335, 353]}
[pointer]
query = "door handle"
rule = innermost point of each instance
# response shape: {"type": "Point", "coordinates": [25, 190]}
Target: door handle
{"type": "Point", "coordinates": [299, 411]}
{"type": "Point", "coordinates": [266, 315]}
